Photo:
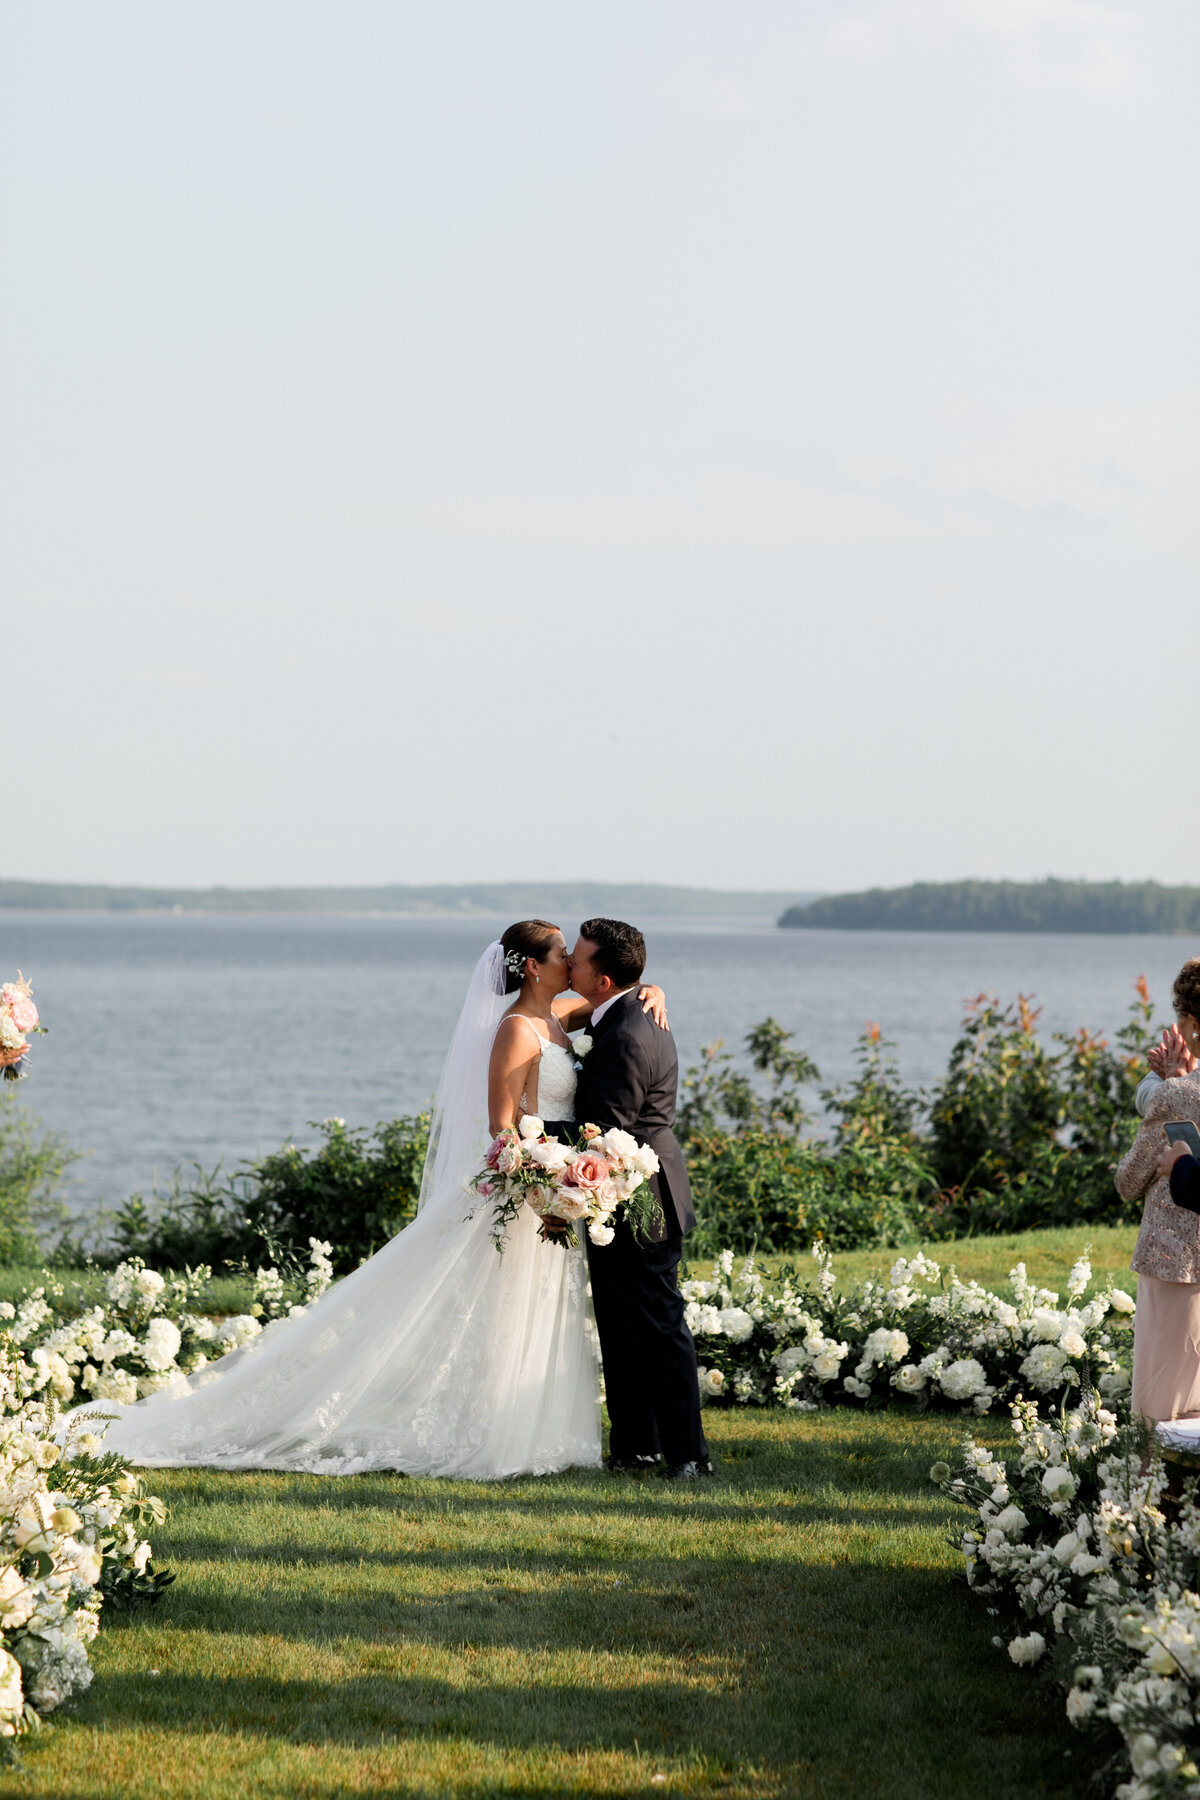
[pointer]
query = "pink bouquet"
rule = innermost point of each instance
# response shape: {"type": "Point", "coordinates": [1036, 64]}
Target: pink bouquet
{"type": "Point", "coordinates": [18, 1016]}
{"type": "Point", "coordinates": [566, 1184]}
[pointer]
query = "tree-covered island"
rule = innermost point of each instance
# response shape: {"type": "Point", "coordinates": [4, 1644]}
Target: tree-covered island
{"type": "Point", "coordinates": [1051, 905]}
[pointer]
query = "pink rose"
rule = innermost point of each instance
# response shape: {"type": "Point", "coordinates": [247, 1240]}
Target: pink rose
{"type": "Point", "coordinates": [23, 1012]}
{"type": "Point", "coordinates": [586, 1171]}
{"type": "Point", "coordinates": [494, 1149]}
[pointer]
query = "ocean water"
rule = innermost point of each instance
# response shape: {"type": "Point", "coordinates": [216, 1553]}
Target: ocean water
{"type": "Point", "coordinates": [217, 1038]}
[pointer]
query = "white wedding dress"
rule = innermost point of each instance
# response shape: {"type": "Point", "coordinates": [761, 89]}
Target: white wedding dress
{"type": "Point", "coordinates": [439, 1356]}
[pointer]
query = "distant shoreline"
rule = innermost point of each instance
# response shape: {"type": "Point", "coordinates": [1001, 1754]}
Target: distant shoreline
{"type": "Point", "coordinates": [483, 900]}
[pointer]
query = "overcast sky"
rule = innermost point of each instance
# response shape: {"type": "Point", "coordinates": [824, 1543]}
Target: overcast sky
{"type": "Point", "coordinates": [743, 445]}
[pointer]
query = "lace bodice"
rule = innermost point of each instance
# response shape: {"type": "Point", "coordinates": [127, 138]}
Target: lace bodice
{"type": "Point", "coordinates": [556, 1082]}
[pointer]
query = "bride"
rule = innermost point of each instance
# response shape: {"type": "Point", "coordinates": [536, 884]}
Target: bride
{"type": "Point", "coordinates": [438, 1356]}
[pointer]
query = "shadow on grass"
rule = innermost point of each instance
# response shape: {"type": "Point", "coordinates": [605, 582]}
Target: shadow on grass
{"type": "Point", "coordinates": [796, 1615]}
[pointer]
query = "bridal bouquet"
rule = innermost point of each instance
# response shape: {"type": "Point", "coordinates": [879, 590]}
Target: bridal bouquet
{"type": "Point", "coordinates": [18, 1016]}
{"type": "Point", "coordinates": [565, 1184]}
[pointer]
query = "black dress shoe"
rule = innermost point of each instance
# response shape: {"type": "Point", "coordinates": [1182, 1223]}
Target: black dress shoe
{"type": "Point", "coordinates": [686, 1471]}
{"type": "Point", "coordinates": [625, 1465]}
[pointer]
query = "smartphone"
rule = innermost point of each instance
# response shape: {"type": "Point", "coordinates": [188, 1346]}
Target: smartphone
{"type": "Point", "coordinates": [1182, 1131]}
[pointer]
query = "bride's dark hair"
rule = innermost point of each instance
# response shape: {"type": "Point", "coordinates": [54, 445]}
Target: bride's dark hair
{"type": "Point", "coordinates": [528, 937]}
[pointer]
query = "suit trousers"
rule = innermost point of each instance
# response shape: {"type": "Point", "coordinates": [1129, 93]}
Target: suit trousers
{"type": "Point", "coordinates": [649, 1357]}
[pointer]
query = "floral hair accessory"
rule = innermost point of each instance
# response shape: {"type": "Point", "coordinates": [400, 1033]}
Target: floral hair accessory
{"type": "Point", "coordinates": [514, 961]}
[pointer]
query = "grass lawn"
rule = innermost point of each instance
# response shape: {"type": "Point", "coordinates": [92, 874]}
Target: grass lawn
{"type": "Point", "coordinates": [794, 1627]}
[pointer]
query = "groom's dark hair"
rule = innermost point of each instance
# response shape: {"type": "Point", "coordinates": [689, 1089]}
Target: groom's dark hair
{"type": "Point", "coordinates": [618, 950]}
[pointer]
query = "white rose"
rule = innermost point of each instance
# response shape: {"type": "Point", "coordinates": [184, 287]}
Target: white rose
{"type": "Point", "coordinates": [645, 1160]}
{"type": "Point", "coordinates": [909, 1379]}
{"type": "Point", "coordinates": [1120, 1301]}
{"type": "Point", "coordinates": [601, 1234]}
{"type": "Point", "coordinates": [581, 1044]}
{"type": "Point", "coordinates": [10, 1037]}
{"type": "Point", "coordinates": [1011, 1521]}
{"type": "Point", "coordinates": [617, 1144]}
{"type": "Point", "coordinates": [788, 1361]}
{"type": "Point", "coordinates": [1080, 1705]}
{"type": "Point", "coordinates": [1058, 1483]}
{"type": "Point", "coordinates": [551, 1156]}
{"type": "Point", "coordinates": [530, 1127]}
{"type": "Point", "coordinates": [711, 1381]}
{"type": "Point", "coordinates": [1048, 1326]}
{"type": "Point", "coordinates": [827, 1364]}
{"type": "Point", "coordinates": [1114, 1383]}
{"type": "Point", "coordinates": [1025, 1650]}
{"type": "Point", "coordinates": [1072, 1344]}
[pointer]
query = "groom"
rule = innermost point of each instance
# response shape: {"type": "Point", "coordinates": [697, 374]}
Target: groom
{"type": "Point", "coordinates": [629, 1079]}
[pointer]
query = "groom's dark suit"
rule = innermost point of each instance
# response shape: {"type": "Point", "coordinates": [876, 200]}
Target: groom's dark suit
{"type": "Point", "coordinates": [629, 1079]}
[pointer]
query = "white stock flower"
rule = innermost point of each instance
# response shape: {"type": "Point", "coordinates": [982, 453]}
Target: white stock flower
{"type": "Point", "coordinates": [1047, 1325]}
{"type": "Point", "coordinates": [150, 1283]}
{"type": "Point", "coordinates": [736, 1324]}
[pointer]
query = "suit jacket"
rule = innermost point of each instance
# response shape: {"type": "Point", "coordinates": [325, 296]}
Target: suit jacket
{"type": "Point", "coordinates": [1168, 1245]}
{"type": "Point", "coordinates": [629, 1079]}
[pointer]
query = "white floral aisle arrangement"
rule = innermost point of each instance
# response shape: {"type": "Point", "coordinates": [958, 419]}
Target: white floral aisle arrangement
{"type": "Point", "coordinates": [71, 1534]}
{"type": "Point", "coordinates": [145, 1336]}
{"type": "Point", "coordinates": [921, 1338]}
{"type": "Point", "coordinates": [1096, 1570]}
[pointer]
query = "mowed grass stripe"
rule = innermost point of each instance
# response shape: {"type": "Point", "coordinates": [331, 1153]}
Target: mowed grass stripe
{"type": "Point", "coordinates": [794, 1627]}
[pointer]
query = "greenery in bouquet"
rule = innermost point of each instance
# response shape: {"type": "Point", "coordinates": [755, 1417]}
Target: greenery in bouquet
{"type": "Point", "coordinates": [922, 1338]}
{"type": "Point", "coordinates": [1094, 1566]}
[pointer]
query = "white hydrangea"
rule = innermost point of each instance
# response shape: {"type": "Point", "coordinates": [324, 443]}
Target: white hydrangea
{"type": "Point", "coordinates": [162, 1344]}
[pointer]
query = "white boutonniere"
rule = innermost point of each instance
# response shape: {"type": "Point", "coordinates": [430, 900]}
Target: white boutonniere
{"type": "Point", "coordinates": [581, 1045]}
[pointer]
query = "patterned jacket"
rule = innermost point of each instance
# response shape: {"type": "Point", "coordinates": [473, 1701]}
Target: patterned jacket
{"type": "Point", "coordinates": [1168, 1245]}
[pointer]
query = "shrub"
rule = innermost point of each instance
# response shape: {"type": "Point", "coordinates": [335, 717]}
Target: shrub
{"type": "Point", "coordinates": [355, 1189]}
{"type": "Point", "coordinates": [32, 1165]}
